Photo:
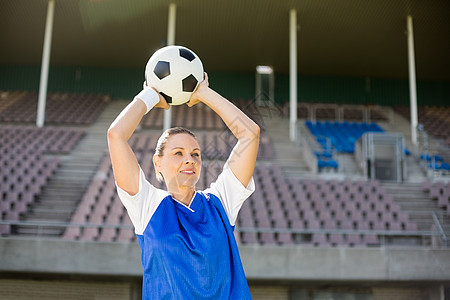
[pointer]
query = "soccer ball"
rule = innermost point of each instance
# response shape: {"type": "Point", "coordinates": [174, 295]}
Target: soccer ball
{"type": "Point", "coordinates": [175, 72]}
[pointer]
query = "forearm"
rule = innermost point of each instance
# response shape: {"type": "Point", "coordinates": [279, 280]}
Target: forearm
{"type": "Point", "coordinates": [243, 157]}
{"type": "Point", "coordinates": [127, 121]}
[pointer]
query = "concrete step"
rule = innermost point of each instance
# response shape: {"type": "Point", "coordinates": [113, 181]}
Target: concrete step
{"type": "Point", "coordinates": [45, 219]}
{"type": "Point", "coordinates": [79, 164]}
{"type": "Point", "coordinates": [297, 173]}
{"type": "Point", "coordinates": [64, 199]}
{"type": "Point", "coordinates": [64, 203]}
{"type": "Point", "coordinates": [414, 202]}
{"type": "Point", "coordinates": [39, 231]}
{"type": "Point", "coordinates": [76, 171]}
{"type": "Point", "coordinates": [52, 210]}
{"type": "Point", "coordinates": [84, 157]}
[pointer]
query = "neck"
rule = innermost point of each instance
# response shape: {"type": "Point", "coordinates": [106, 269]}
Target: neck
{"type": "Point", "coordinates": [184, 195]}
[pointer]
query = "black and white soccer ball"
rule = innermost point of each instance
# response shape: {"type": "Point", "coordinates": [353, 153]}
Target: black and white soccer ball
{"type": "Point", "coordinates": [175, 72]}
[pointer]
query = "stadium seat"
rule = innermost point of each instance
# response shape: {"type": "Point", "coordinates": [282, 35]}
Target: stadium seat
{"type": "Point", "coordinates": [354, 240]}
{"type": "Point", "coordinates": [267, 238]}
{"type": "Point", "coordinates": [285, 238]}
{"type": "Point", "coordinates": [371, 240]}
{"type": "Point", "coordinates": [339, 135]}
{"type": "Point", "coordinates": [319, 239]}
{"type": "Point", "coordinates": [249, 238]}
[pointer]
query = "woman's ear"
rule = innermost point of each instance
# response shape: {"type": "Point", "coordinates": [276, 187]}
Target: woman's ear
{"type": "Point", "coordinates": [157, 163]}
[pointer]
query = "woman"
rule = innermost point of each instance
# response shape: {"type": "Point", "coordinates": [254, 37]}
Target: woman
{"type": "Point", "coordinates": [188, 250]}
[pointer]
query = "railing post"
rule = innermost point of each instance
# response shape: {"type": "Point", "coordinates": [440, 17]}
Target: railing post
{"type": "Point", "coordinates": [440, 229]}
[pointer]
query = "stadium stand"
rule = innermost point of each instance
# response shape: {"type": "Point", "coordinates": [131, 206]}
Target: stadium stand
{"type": "Point", "coordinates": [310, 213]}
{"type": "Point", "coordinates": [25, 167]}
{"type": "Point", "coordinates": [342, 136]}
{"type": "Point", "coordinates": [433, 137]}
{"type": "Point", "coordinates": [215, 145]}
{"type": "Point", "coordinates": [335, 137]}
{"type": "Point", "coordinates": [435, 120]}
{"type": "Point", "coordinates": [440, 192]}
{"type": "Point", "coordinates": [313, 211]}
{"type": "Point", "coordinates": [100, 207]}
{"type": "Point", "coordinates": [198, 116]}
{"type": "Point", "coordinates": [100, 216]}
{"type": "Point", "coordinates": [61, 108]}
{"type": "Point", "coordinates": [339, 112]}
{"type": "Point", "coordinates": [282, 211]}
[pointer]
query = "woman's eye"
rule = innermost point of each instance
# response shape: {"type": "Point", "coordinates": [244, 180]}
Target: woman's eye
{"type": "Point", "coordinates": [178, 153]}
{"type": "Point", "coordinates": [196, 154]}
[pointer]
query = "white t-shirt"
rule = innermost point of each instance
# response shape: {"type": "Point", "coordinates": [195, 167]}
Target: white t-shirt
{"type": "Point", "coordinates": [143, 205]}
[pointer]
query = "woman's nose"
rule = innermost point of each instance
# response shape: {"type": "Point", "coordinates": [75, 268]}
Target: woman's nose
{"type": "Point", "coordinates": [189, 160]}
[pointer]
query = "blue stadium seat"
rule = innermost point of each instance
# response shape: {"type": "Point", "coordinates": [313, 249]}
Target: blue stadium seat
{"type": "Point", "coordinates": [340, 135]}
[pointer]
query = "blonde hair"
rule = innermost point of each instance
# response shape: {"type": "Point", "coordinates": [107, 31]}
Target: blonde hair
{"type": "Point", "coordinates": [161, 144]}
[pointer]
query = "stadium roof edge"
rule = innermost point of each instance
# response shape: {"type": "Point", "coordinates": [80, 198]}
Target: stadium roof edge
{"type": "Point", "coordinates": [346, 38]}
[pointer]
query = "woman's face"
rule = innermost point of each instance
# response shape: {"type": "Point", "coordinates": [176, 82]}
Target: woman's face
{"type": "Point", "coordinates": [181, 161]}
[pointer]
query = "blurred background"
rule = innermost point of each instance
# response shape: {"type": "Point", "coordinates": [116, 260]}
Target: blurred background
{"type": "Point", "coordinates": [352, 195]}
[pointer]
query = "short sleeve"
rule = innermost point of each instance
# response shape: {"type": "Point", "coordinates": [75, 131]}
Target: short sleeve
{"type": "Point", "coordinates": [231, 192]}
{"type": "Point", "coordinates": [142, 206]}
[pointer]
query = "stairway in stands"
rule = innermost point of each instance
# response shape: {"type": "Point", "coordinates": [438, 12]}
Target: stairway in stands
{"type": "Point", "coordinates": [414, 201]}
{"type": "Point", "coordinates": [65, 189]}
{"type": "Point", "coordinates": [287, 154]}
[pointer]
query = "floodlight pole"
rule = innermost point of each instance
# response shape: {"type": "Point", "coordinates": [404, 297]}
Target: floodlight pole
{"type": "Point", "coordinates": [412, 83]}
{"type": "Point", "coordinates": [170, 41]}
{"type": "Point", "coordinates": [40, 115]}
{"type": "Point", "coordinates": [293, 74]}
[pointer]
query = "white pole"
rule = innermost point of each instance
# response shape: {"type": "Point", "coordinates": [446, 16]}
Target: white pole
{"type": "Point", "coordinates": [412, 82]}
{"type": "Point", "coordinates": [45, 64]}
{"type": "Point", "coordinates": [170, 41]}
{"type": "Point", "coordinates": [258, 88]}
{"type": "Point", "coordinates": [271, 88]}
{"type": "Point", "coordinates": [293, 74]}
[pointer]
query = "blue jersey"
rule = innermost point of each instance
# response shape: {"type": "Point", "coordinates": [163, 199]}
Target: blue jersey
{"type": "Point", "coordinates": [189, 252]}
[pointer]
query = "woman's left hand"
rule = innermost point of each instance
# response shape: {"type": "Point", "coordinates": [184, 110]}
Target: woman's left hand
{"type": "Point", "coordinates": [196, 96]}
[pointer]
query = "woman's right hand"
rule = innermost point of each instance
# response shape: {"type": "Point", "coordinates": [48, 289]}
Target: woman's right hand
{"type": "Point", "coordinates": [162, 102]}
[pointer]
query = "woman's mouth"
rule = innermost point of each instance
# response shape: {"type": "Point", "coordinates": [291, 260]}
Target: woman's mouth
{"type": "Point", "coordinates": [187, 172]}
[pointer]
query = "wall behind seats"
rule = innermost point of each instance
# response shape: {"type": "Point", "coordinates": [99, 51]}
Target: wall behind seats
{"type": "Point", "coordinates": [123, 83]}
{"type": "Point", "coordinates": [362, 90]}
{"type": "Point", "coordinates": [116, 82]}
{"type": "Point", "coordinates": [16, 289]}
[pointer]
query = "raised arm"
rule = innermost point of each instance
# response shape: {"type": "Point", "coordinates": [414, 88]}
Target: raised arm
{"type": "Point", "coordinates": [124, 162]}
{"type": "Point", "coordinates": [243, 158]}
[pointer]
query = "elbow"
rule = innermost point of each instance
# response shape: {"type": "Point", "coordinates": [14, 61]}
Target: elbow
{"type": "Point", "coordinates": [255, 130]}
{"type": "Point", "coordinates": [251, 133]}
{"type": "Point", "coordinates": [112, 133]}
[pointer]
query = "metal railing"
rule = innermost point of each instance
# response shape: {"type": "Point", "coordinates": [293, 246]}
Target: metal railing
{"type": "Point", "coordinates": [42, 225]}
{"type": "Point", "coordinates": [441, 232]}
{"type": "Point", "coordinates": [435, 233]}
